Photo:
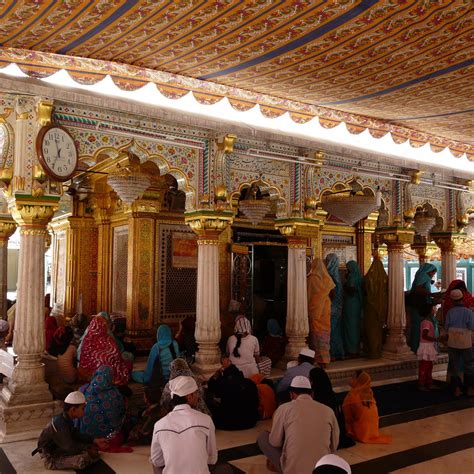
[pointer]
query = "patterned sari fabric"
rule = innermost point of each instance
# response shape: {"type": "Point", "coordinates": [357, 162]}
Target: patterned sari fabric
{"type": "Point", "coordinates": [352, 315]}
{"type": "Point", "coordinates": [361, 414]}
{"type": "Point", "coordinates": [422, 280]}
{"type": "Point", "coordinates": [337, 345]}
{"type": "Point", "coordinates": [375, 308]}
{"type": "Point", "coordinates": [99, 348]}
{"type": "Point", "coordinates": [320, 285]}
{"type": "Point", "coordinates": [105, 408]}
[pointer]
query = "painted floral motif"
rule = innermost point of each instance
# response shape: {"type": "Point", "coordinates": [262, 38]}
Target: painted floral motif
{"type": "Point", "coordinates": [340, 61]}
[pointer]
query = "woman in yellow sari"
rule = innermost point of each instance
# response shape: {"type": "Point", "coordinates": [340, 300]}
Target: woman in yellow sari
{"type": "Point", "coordinates": [320, 285]}
{"type": "Point", "coordinates": [360, 412]}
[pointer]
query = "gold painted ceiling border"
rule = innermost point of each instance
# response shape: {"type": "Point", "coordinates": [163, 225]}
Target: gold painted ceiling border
{"type": "Point", "coordinates": [127, 77]}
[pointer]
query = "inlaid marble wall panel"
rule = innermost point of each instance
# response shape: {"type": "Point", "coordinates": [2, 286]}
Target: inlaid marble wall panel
{"type": "Point", "coordinates": [176, 279]}
{"type": "Point", "coordinates": [119, 269]}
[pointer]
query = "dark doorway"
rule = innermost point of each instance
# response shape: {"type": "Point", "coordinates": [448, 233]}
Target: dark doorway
{"type": "Point", "coordinates": [269, 288]}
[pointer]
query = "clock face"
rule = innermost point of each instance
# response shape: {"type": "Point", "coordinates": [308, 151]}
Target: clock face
{"type": "Point", "coordinates": [57, 152]}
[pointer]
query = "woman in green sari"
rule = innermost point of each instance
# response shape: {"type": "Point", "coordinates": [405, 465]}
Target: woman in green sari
{"type": "Point", "coordinates": [375, 308]}
{"type": "Point", "coordinates": [419, 295]}
{"type": "Point", "coordinates": [352, 314]}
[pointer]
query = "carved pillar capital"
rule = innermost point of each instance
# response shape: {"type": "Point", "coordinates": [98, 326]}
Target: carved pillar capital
{"type": "Point", "coordinates": [448, 241]}
{"type": "Point", "coordinates": [7, 227]}
{"type": "Point", "coordinates": [208, 224]}
{"type": "Point", "coordinates": [143, 208]}
{"type": "Point", "coordinates": [297, 228]}
{"type": "Point", "coordinates": [395, 237]}
{"type": "Point", "coordinates": [30, 212]}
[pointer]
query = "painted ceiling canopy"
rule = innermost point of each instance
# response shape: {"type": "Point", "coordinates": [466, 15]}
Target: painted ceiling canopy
{"type": "Point", "coordinates": [403, 67]}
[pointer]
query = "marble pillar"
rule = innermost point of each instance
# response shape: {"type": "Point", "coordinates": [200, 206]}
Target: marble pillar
{"type": "Point", "coordinates": [396, 238]}
{"type": "Point", "coordinates": [7, 228]}
{"type": "Point", "coordinates": [299, 232]}
{"type": "Point", "coordinates": [447, 242]}
{"type": "Point", "coordinates": [448, 266]}
{"type": "Point", "coordinates": [26, 404]}
{"type": "Point", "coordinates": [297, 326]}
{"type": "Point", "coordinates": [208, 324]}
{"type": "Point", "coordinates": [208, 225]}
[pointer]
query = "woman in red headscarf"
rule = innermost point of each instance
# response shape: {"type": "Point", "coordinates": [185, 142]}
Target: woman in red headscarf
{"type": "Point", "coordinates": [99, 348]}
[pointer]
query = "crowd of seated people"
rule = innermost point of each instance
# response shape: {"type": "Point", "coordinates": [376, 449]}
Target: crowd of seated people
{"type": "Point", "coordinates": [94, 359]}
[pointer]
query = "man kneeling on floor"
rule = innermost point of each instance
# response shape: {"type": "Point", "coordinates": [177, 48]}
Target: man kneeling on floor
{"type": "Point", "coordinates": [303, 431]}
{"type": "Point", "coordinates": [184, 441]}
{"type": "Point", "coordinates": [62, 446]}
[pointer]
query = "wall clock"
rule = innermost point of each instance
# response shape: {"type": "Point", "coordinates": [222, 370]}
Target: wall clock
{"type": "Point", "coordinates": [57, 152]}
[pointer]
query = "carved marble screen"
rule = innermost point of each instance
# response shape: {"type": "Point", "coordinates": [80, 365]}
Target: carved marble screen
{"type": "Point", "coordinates": [58, 277]}
{"type": "Point", "coordinates": [176, 286]}
{"type": "Point", "coordinates": [119, 270]}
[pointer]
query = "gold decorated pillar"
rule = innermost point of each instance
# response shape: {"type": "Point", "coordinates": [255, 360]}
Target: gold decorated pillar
{"type": "Point", "coordinates": [103, 207]}
{"type": "Point", "coordinates": [447, 242]}
{"type": "Point", "coordinates": [396, 238]}
{"type": "Point", "coordinates": [142, 241]}
{"type": "Point", "coordinates": [298, 231]}
{"type": "Point", "coordinates": [78, 235]}
{"type": "Point", "coordinates": [364, 231]}
{"type": "Point", "coordinates": [208, 225]}
{"type": "Point", "coordinates": [7, 228]}
{"type": "Point", "coordinates": [26, 388]}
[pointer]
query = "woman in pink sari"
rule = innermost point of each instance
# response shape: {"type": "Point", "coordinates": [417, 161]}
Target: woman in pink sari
{"type": "Point", "coordinates": [99, 348]}
{"type": "Point", "coordinates": [320, 285]}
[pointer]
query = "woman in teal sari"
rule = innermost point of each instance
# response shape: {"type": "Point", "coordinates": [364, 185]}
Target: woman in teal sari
{"type": "Point", "coordinates": [352, 314]}
{"type": "Point", "coordinates": [419, 296]}
{"type": "Point", "coordinates": [337, 346]}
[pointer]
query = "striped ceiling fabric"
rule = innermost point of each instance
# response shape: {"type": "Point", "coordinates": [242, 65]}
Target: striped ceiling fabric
{"type": "Point", "coordinates": [403, 67]}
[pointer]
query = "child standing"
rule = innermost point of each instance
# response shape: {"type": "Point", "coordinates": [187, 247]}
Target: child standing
{"type": "Point", "coordinates": [427, 352]}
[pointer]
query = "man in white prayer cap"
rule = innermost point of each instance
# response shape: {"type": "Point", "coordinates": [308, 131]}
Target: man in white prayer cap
{"type": "Point", "coordinates": [303, 431]}
{"type": "Point", "coordinates": [303, 367]}
{"type": "Point", "coordinates": [62, 446]}
{"type": "Point", "coordinates": [185, 439]}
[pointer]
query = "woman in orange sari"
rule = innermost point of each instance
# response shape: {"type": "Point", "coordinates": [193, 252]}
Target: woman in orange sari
{"type": "Point", "coordinates": [320, 285]}
{"type": "Point", "coordinates": [360, 412]}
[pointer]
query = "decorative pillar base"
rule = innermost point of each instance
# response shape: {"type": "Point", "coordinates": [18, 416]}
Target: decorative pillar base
{"type": "Point", "coordinates": [25, 421]}
{"type": "Point", "coordinates": [208, 360]}
{"type": "Point", "coordinates": [292, 351]}
{"type": "Point", "coordinates": [396, 348]}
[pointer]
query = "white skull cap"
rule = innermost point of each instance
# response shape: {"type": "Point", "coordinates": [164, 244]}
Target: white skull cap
{"type": "Point", "coordinates": [333, 460]}
{"type": "Point", "coordinates": [75, 398]}
{"type": "Point", "coordinates": [182, 386]}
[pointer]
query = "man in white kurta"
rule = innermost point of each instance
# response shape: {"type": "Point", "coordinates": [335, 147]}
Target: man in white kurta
{"type": "Point", "coordinates": [303, 431]}
{"type": "Point", "coordinates": [184, 441]}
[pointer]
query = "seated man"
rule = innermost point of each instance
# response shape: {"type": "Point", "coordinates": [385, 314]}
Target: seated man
{"type": "Point", "coordinates": [62, 446]}
{"type": "Point", "coordinates": [304, 366]}
{"type": "Point", "coordinates": [303, 431]}
{"type": "Point", "coordinates": [185, 439]}
{"type": "Point", "coordinates": [233, 399]}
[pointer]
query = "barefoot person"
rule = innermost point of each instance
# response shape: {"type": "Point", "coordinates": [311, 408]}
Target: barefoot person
{"type": "Point", "coordinates": [62, 446]}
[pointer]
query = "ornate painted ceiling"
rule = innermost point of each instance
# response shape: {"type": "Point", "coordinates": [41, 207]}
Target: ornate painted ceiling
{"type": "Point", "coordinates": [403, 67]}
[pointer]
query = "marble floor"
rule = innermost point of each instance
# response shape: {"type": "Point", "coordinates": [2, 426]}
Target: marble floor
{"type": "Point", "coordinates": [435, 444]}
{"type": "Point", "coordinates": [432, 439]}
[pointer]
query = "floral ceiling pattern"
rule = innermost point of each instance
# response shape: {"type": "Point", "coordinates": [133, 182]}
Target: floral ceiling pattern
{"type": "Point", "coordinates": [403, 67]}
